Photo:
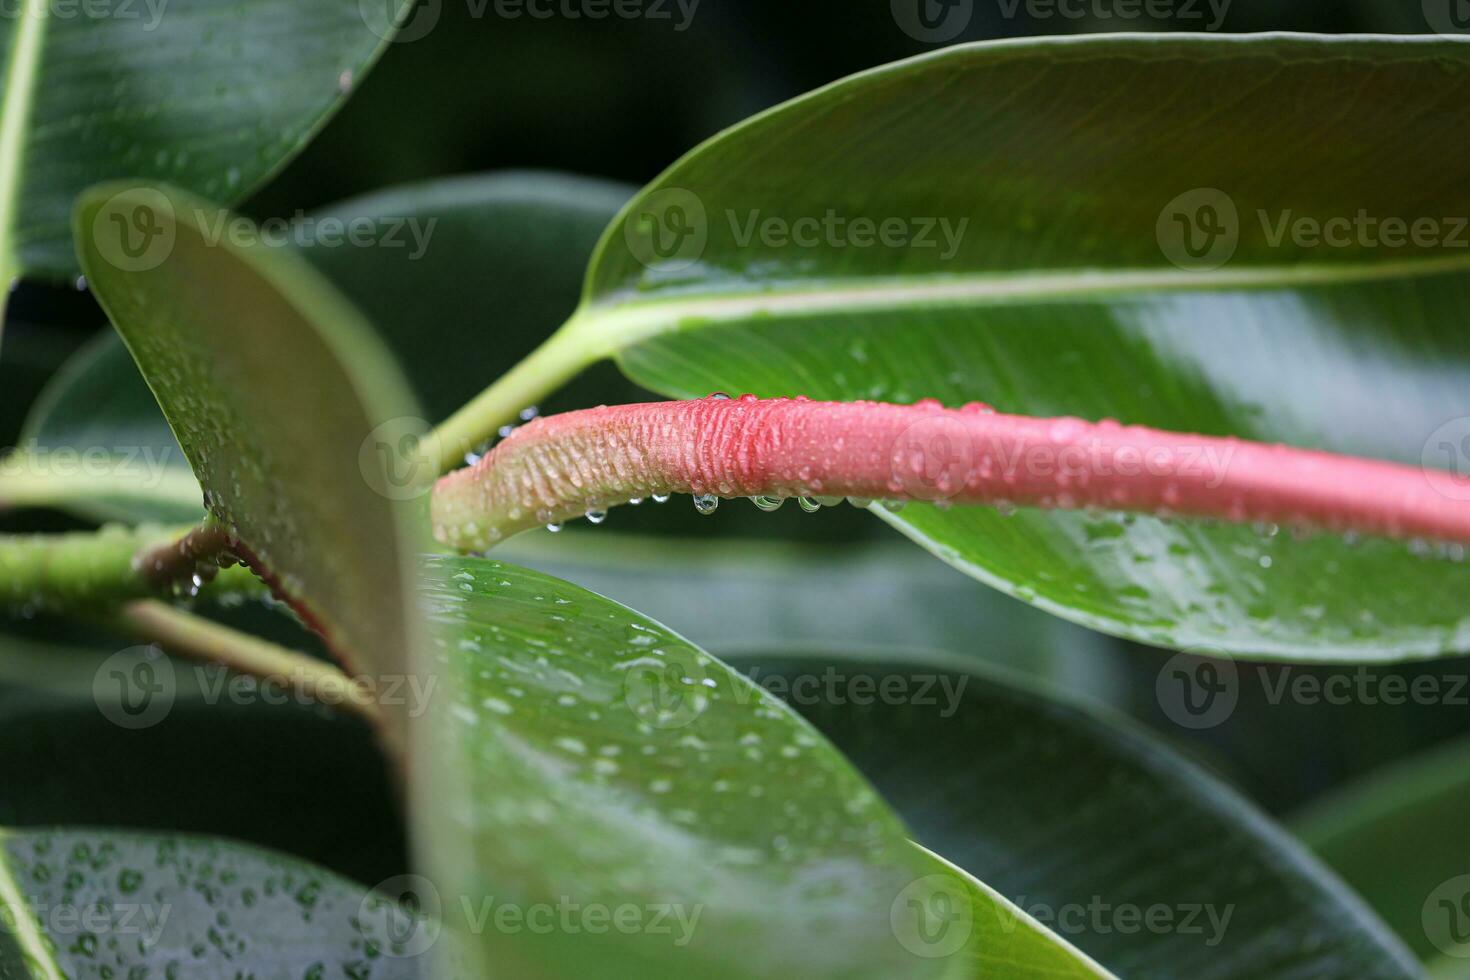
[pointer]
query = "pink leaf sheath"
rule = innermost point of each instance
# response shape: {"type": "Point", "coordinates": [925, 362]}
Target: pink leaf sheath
{"type": "Point", "coordinates": [563, 466]}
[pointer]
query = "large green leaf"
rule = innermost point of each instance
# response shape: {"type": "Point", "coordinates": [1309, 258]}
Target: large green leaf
{"type": "Point", "coordinates": [212, 95]}
{"type": "Point", "coordinates": [281, 398]}
{"type": "Point", "coordinates": [1398, 836]}
{"type": "Point", "coordinates": [1085, 821]}
{"type": "Point", "coordinates": [86, 903]}
{"type": "Point", "coordinates": [69, 763]}
{"type": "Point", "coordinates": [591, 758]}
{"type": "Point", "coordinates": [1067, 158]}
{"type": "Point", "coordinates": [95, 444]}
{"type": "Point", "coordinates": [1047, 798]}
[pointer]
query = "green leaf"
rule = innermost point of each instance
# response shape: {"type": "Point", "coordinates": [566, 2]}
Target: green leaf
{"type": "Point", "coordinates": [471, 273]}
{"type": "Point", "coordinates": [591, 756]}
{"type": "Point", "coordinates": [1398, 837]}
{"type": "Point", "coordinates": [281, 398]}
{"type": "Point", "coordinates": [422, 286]}
{"type": "Point", "coordinates": [85, 903]}
{"type": "Point", "coordinates": [214, 96]}
{"type": "Point", "coordinates": [1066, 158]}
{"type": "Point", "coordinates": [69, 762]}
{"type": "Point", "coordinates": [95, 444]}
{"type": "Point", "coordinates": [1085, 821]}
{"type": "Point", "coordinates": [1043, 794]}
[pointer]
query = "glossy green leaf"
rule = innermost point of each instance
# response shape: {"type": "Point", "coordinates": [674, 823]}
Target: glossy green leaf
{"type": "Point", "coordinates": [468, 274]}
{"type": "Point", "coordinates": [212, 95]}
{"type": "Point", "coordinates": [1046, 797]}
{"type": "Point", "coordinates": [70, 763]}
{"type": "Point", "coordinates": [1398, 837]}
{"type": "Point", "coordinates": [591, 757]}
{"type": "Point", "coordinates": [741, 596]}
{"type": "Point", "coordinates": [95, 444]}
{"type": "Point", "coordinates": [287, 408]}
{"type": "Point", "coordinates": [421, 282]}
{"type": "Point", "coordinates": [1060, 168]}
{"type": "Point", "coordinates": [88, 903]}
{"type": "Point", "coordinates": [1142, 860]}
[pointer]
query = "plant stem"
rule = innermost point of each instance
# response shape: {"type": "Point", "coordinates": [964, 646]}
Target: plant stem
{"type": "Point", "coordinates": [191, 556]}
{"type": "Point", "coordinates": [87, 570]}
{"type": "Point", "coordinates": [547, 368]}
{"type": "Point", "coordinates": [561, 467]}
{"type": "Point", "coordinates": [186, 635]}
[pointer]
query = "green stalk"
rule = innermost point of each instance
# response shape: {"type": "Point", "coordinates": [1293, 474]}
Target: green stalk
{"type": "Point", "coordinates": [544, 370]}
{"type": "Point", "coordinates": [186, 635]}
{"type": "Point", "coordinates": [88, 571]}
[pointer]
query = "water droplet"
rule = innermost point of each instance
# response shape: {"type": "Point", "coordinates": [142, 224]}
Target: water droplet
{"type": "Point", "coordinates": [553, 528]}
{"type": "Point", "coordinates": [660, 498]}
{"type": "Point", "coordinates": [894, 506]}
{"type": "Point", "coordinates": [768, 504]}
{"type": "Point", "coordinates": [529, 413]}
{"type": "Point", "coordinates": [596, 516]}
{"type": "Point", "coordinates": [81, 284]}
{"type": "Point", "coordinates": [635, 501]}
{"type": "Point", "coordinates": [706, 503]}
{"type": "Point", "coordinates": [719, 396]}
{"type": "Point", "coordinates": [861, 503]}
{"type": "Point", "coordinates": [808, 504]}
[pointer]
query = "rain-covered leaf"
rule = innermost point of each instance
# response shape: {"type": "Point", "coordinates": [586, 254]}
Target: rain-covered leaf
{"type": "Point", "coordinates": [591, 757]}
{"type": "Point", "coordinates": [1141, 859]}
{"type": "Point", "coordinates": [211, 95]}
{"type": "Point", "coordinates": [1003, 223]}
{"type": "Point", "coordinates": [288, 409]}
{"type": "Point", "coordinates": [90, 903]}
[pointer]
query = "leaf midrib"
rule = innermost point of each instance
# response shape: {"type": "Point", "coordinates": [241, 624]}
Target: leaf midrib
{"type": "Point", "coordinates": [15, 111]}
{"type": "Point", "coordinates": [611, 323]}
